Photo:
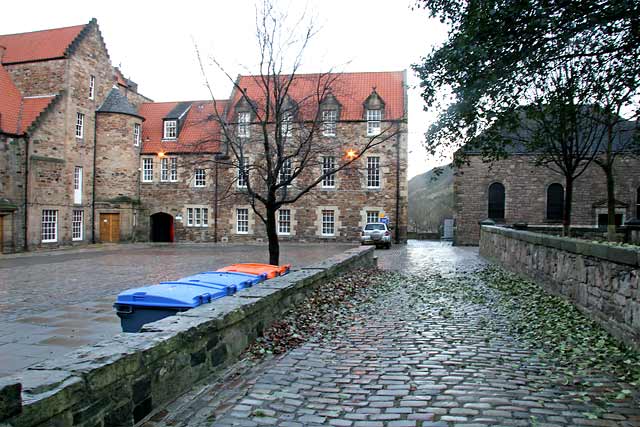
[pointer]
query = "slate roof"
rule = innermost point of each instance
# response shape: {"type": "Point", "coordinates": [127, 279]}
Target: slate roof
{"type": "Point", "coordinates": [39, 45]}
{"type": "Point", "coordinates": [200, 132]}
{"type": "Point", "coordinates": [117, 103]}
{"type": "Point", "coordinates": [350, 89]}
{"type": "Point", "coordinates": [626, 130]}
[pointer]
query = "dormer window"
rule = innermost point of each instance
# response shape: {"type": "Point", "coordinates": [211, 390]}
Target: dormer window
{"type": "Point", "coordinates": [330, 110]}
{"type": "Point", "coordinates": [374, 119]}
{"type": "Point", "coordinates": [170, 129]}
{"type": "Point", "coordinates": [329, 118]}
{"type": "Point", "coordinates": [244, 119]}
{"type": "Point", "coordinates": [374, 113]}
{"type": "Point", "coordinates": [286, 128]}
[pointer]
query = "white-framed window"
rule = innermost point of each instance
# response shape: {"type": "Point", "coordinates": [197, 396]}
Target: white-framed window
{"type": "Point", "coordinates": [164, 169]}
{"type": "Point", "coordinates": [200, 178]}
{"type": "Point", "coordinates": [92, 86]}
{"type": "Point", "coordinates": [328, 164]}
{"type": "Point", "coordinates": [373, 216]}
{"type": "Point", "coordinates": [170, 129]}
{"type": "Point", "coordinates": [77, 185]}
{"type": "Point", "coordinates": [244, 120]}
{"type": "Point", "coordinates": [77, 225]}
{"type": "Point", "coordinates": [79, 125]}
{"type": "Point", "coordinates": [374, 118]}
{"type": "Point", "coordinates": [284, 221]}
{"type": "Point", "coordinates": [373, 172]}
{"type": "Point", "coordinates": [173, 169]}
{"type": "Point", "coordinates": [242, 221]}
{"type": "Point", "coordinates": [49, 225]}
{"type": "Point", "coordinates": [243, 175]}
{"type": "Point", "coordinates": [147, 169]}
{"type": "Point", "coordinates": [329, 118]}
{"type": "Point", "coordinates": [286, 170]}
{"type": "Point", "coordinates": [197, 217]}
{"type": "Point", "coordinates": [136, 134]}
{"type": "Point", "coordinates": [328, 222]}
{"type": "Point", "coordinates": [286, 127]}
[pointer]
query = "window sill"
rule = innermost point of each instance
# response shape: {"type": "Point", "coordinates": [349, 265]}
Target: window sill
{"type": "Point", "coordinates": [168, 139]}
{"type": "Point", "coordinates": [242, 233]}
{"type": "Point", "coordinates": [49, 241]}
{"type": "Point", "coordinates": [328, 188]}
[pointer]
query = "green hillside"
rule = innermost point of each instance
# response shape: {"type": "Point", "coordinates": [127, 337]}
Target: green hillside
{"type": "Point", "coordinates": [430, 200]}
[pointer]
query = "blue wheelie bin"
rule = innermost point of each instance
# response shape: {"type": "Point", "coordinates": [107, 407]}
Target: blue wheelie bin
{"type": "Point", "coordinates": [237, 280]}
{"type": "Point", "coordinates": [138, 306]}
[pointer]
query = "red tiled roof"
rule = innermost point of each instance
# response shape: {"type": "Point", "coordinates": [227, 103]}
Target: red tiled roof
{"type": "Point", "coordinates": [200, 132]}
{"type": "Point", "coordinates": [10, 103]}
{"type": "Point", "coordinates": [17, 114]}
{"type": "Point", "coordinates": [32, 108]}
{"type": "Point", "coordinates": [350, 89]}
{"type": "Point", "coordinates": [38, 45]}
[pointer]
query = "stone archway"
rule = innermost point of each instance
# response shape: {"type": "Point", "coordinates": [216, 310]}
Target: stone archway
{"type": "Point", "coordinates": [162, 227]}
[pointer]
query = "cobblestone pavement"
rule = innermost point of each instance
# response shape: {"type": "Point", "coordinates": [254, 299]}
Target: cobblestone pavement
{"type": "Point", "coordinates": [54, 302]}
{"type": "Point", "coordinates": [417, 355]}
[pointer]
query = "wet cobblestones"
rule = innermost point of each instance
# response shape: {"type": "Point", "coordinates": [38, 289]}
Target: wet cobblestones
{"type": "Point", "coordinates": [419, 353]}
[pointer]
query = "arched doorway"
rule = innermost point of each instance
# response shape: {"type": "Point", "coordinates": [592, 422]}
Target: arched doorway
{"type": "Point", "coordinates": [161, 227]}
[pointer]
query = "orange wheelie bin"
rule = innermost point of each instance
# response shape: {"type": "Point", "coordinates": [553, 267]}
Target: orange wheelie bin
{"type": "Point", "coordinates": [252, 268]}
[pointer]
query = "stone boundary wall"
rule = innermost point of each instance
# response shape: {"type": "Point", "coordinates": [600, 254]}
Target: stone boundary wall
{"type": "Point", "coordinates": [603, 281]}
{"type": "Point", "coordinates": [120, 381]}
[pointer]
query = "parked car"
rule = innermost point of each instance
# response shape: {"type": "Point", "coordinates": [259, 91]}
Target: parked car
{"type": "Point", "coordinates": [376, 233]}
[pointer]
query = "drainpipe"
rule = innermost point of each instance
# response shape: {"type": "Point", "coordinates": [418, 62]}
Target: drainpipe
{"type": "Point", "coordinates": [26, 194]}
{"type": "Point", "coordinates": [398, 187]}
{"type": "Point", "coordinates": [215, 201]}
{"type": "Point", "coordinates": [93, 181]}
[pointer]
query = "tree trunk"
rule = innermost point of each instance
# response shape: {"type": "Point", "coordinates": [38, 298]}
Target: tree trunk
{"type": "Point", "coordinates": [272, 235]}
{"type": "Point", "coordinates": [568, 202]}
{"type": "Point", "coordinates": [611, 204]}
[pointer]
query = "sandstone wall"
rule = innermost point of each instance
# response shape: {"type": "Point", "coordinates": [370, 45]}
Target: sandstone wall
{"type": "Point", "coordinates": [526, 193]}
{"type": "Point", "coordinates": [601, 280]}
{"type": "Point", "coordinates": [350, 198]}
{"type": "Point", "coordinates": [12, 188]}
{"type": "Point", "coordinates": [55, 151]}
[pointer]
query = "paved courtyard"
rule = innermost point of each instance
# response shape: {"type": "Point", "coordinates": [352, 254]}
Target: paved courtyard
{"type": "Point", "coordinates": [420, 353]}
{"type": "Point", "coordinates": [54, 302]}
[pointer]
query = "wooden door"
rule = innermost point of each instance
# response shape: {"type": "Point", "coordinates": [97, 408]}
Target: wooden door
{"type": "Point", "coordinates": [110, 227]}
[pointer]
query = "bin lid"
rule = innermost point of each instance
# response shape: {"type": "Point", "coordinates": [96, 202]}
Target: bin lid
{"type": "Point", "coordinates": [254, 268]}
{"type": "Point", "coordinates": [230, 277]}
{"type": "Point", "coordinates": [229, 289]}
{"type": "Point", "coordinates": [240, 281]}
{"type": "Point", "coordinates": [169, 295]}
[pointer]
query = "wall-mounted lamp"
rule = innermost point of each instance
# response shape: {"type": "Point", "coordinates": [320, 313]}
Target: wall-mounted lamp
{"type": "Point", "coordinates": [161, 154]}
{"type": "Point", "coordinates": [351, 154]}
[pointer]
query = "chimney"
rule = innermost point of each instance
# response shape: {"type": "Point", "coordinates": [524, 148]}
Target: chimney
{"type": "Point", "coordinates": [2, 51]}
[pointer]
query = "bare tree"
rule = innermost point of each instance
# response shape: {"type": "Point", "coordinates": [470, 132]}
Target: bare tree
{"type": "Point", "coordinates": [557, 127]}
{"type": "Point", "coordinates": [273, 126]}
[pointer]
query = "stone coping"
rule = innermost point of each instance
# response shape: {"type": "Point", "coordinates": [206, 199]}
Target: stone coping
{"type": "Point", "coordinates": [614, 254]}
{"type": "Point", "coordinates": [121, 380]}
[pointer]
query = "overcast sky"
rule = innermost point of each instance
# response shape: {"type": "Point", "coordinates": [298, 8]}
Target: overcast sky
{"type": "Point", "coordinates": [153, 43]}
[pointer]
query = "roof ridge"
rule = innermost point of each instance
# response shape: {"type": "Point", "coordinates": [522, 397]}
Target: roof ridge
{"type": "Point", "coordinates": [42, 31]}
{"type": "Point", "coordinates": [330, 73]}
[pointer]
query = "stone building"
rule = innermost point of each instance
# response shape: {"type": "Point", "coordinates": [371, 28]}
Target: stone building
{"type": "Point", "coordinates": [191, 196]}
{"type": "Point", "coordinates": [515, 190]}
{"type": "Point", "coordinates": [84, 157]}
{"type": "Point", "coordinates": [69, 104]}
